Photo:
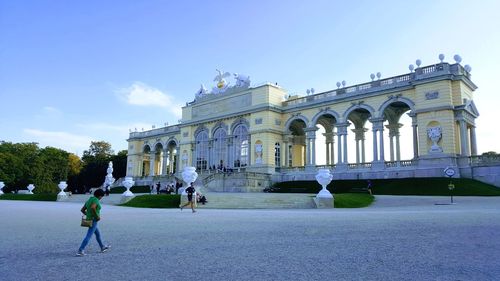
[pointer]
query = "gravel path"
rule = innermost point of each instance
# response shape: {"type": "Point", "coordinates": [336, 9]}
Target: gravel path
{"type": "Point", "coordinates": [398, 238]}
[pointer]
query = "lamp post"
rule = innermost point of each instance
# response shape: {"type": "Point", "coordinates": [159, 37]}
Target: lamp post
{"type": "Point", "coordinates": [450, 172]}
{"type": "Point", "coordinates": [451, 186]}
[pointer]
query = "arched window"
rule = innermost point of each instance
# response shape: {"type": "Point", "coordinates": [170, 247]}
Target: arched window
{"type": "Point", "coordinates": [277, 154]}
{"type": "Point", "coordinates": [241, 139]}
{"type": "Point", "coordinates": [220, 148]}
{"type": "Point", "coordinates": [201, 150]}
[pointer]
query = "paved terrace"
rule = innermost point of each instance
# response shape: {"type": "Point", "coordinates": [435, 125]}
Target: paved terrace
{"type": "Point", "coordinates": [398, 238]}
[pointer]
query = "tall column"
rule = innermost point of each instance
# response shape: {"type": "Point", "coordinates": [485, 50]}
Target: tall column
{"type": "Point", "coordinates": [152, 158]}
{"type": "Point", "coordinates": [327, 145]}
{"type": "Point", "coordinates": [375, 151]}
{"type": "Point", "coordinates": [193, 156]}
{"type": "Point", "coordinates": [391, 145]}
{"type": "Point", "coordinates": [398, 148]}
{"type": "Point", "coordinates": [339, 145]}
{"type": "Point", "coordinates": [314, 151]}
{"type": "Point", "coordinates": [345, 146]}
{"type": "Point", "coordinates": [473, 143]}
{"type": "Point", "coordinates": [359, 138]}
{"type": "Point", "coordinates": [227, 159]}
{"type": "Point", "coordinates": [414, 125]}
{"type": "Point", "coordinates": [357, 152]}
{"type": "Point", "coordinates": [332, 151]}
{"type": "Point", "coordinates": [285, 152]}
{"type": "Point", "coordinates": [329, 148]}
{"type": "Point", "coordinates": [464, 146]}
{"type": "Point", "coordinates": [363, 159]}
{"type": "Point", "coordinates": [164, 168]}
{"type": "Point", "coordinates": [308, 153]}
{"type": "Point", "coordinates": [211, 154]}
{"type": "Point", "coordinates": [381, 140]}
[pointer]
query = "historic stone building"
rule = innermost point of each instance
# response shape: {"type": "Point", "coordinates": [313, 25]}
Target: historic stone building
{"type": "Point", "coordinates": [261, 133]}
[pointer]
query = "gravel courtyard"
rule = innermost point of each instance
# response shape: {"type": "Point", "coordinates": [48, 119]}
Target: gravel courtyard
{"type": "Point", "coordinates": [398, 238]}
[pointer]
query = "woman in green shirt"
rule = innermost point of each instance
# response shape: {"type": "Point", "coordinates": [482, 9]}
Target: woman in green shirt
{"type": "Point", "coordinates": [92, 209]}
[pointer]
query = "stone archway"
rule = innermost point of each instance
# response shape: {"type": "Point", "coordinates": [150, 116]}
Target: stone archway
{"type": "Point", "coordinates": [324, 140]}
{"type": "Point", "coordinates": [296, 139]}
{"type": "Point", "coordinates": [396, 122]}
{"type": "Point", "coordinates": [146, 158]}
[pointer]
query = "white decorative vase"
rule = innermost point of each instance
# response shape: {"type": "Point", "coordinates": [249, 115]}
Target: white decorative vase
{"type": "Point", "coordinates": [128, 183]}
{"type": "Point", "coordinates": [1, 187]}
{"type": "Point", "coordinates": [435, 134]}
{"type": "Point", "coordinates": [30, 188]}
{"type": "Point", "coordinates": [62, 185]}
{"type": "Point", "coordinates": [189, 175]}
{"type": "Point", "coordinates": [324, 178]}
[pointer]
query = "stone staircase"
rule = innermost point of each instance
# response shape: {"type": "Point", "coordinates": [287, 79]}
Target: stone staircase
{"type": "Point", "coordinates": [229, 200]}
{"type": "Point", "coordinates": [233, 200]}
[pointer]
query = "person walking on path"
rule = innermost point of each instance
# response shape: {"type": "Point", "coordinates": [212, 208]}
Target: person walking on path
{"type": "Point", "coordinates": [369, 187]}
{"type": "Point", "coordinates": [92, 210]}
{"type": "Point", "coordinates": [190, 192]}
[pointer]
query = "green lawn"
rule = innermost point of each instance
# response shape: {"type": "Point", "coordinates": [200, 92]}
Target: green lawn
{"type": "Point", "coordinates": [353, 200]}
{"type": "Point", "coordinates": [29, 197]}
{"type": "Point", "coordinates": [155, 201]}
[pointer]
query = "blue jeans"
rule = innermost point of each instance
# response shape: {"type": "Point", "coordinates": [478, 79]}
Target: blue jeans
{"type": "Point", "coordinates": [91, 231]}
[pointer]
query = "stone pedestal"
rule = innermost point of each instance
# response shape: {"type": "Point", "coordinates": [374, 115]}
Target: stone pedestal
{"type": "Point", "coordinates": [124, 199]}
{"type": "Point", "coordinates": [324, 199]}
{"type": "Point", "coordinates": [62, 196]}
{"type": "Point", "coordinates": [323, 202]}
{"type": "Point", "coordinates": [127, 195]}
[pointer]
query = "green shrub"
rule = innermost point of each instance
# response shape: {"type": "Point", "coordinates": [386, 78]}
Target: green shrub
{"type": "Point", "coordinates": [433, 186]}
{"type": "Point", "coordinates": [155, 201]}
{"type": "Point", "coordinates": [29, 197]}
{"type": "Point", "coordinates": [407, 186]}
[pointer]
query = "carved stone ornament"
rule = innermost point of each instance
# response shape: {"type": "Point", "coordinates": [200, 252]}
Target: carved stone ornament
{"type": "Point", "coordinates": [432, 95]}
{"type": "Point", "coordinates": [258, 153]}
{"type": "Point", "coordinates": [434, 134]}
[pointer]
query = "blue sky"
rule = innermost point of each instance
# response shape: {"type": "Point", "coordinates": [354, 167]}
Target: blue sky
{"type": "Point", "coordinates": [76, 71]}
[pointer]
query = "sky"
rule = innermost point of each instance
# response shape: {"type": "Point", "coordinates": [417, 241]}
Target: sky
{"type": "Point", "coordinates": [72, 72]}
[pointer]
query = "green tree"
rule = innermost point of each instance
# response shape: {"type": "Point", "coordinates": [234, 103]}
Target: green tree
{"type": "Point", "coordinates": [95, 163]}
{"type": "Point", "coordinates": [98, 150]}
{"type": "Point", "coordinates": [55, 166]}
{"type": "Point", "coordinates": [120, 164]}
{"type": "Point", "coordinates": [19, 164]}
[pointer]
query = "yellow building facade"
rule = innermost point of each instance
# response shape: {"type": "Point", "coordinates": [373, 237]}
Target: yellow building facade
{"type": "Point", "coordinates": [265, 130]}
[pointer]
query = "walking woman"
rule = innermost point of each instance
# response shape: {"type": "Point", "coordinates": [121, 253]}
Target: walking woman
{"type": "Point", "coordinates": [92, 209]}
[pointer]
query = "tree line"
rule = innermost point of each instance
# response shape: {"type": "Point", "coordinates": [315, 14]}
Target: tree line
{"type": "Point", "coordinates": [22, 164]}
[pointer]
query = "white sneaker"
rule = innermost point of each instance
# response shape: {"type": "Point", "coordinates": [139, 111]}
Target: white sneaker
{"type": "Point", "coordinates": [80, 254]}
{"type": "Point", "coordinates": [105, 248]}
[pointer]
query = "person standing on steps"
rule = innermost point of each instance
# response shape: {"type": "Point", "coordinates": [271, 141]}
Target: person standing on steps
{"type": "Point", "coordinates": [92, 209]}
{"type": "Point", "coordinates": [190, 192]}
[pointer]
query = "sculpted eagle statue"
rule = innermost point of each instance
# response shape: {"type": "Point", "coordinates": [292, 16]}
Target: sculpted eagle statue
{"type": "Point", "coordinates": [221, 83]}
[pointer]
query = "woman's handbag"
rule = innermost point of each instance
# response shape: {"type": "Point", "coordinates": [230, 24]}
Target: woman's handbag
{"type": "Point", "coordinates": [86, 222]}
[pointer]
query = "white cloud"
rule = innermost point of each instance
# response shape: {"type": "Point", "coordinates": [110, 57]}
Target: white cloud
{"type": "Point", "coordinates": [141, 94]}
{"type": "Point", "coordinates": [50, 109]}
{"type": "Point", "coordinates": [63, 140]}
